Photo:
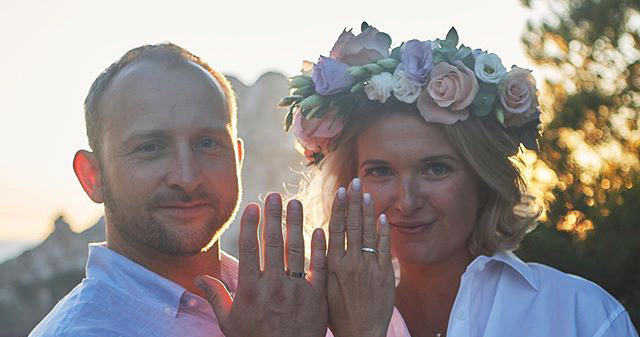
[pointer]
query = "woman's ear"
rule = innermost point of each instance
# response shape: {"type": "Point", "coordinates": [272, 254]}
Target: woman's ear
{"type": "Point", "coordinates": [85, 165]}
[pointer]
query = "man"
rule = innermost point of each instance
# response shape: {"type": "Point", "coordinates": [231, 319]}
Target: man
{"type": "Point", "coordinates": [165, 163]}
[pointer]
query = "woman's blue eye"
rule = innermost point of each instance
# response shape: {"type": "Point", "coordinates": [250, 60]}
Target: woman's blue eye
{"type": "Point", "coordinates": [438, 169]}
{"type": "Point", "coordinates": [378, 172]}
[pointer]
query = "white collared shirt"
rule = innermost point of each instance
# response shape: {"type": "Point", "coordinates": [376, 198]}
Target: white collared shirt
{"type": "Point", "coordinates": [503, 296]}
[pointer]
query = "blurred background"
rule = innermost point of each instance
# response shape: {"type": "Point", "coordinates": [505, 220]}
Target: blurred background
{"type": "Point", "coordinates": [585, 55]}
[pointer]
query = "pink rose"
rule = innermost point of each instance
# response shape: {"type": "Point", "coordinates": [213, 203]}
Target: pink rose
{"type": "Point", "coordinates": [315, 134]}
{"type": "Point", "coordinates": [367, 47]}
{"type": "Point", "coordinates": [450, 91]}
{"type": "Point", "coordinates": [518, 91]}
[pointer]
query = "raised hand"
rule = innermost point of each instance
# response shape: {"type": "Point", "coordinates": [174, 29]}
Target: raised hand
{"type": "Point", "coordinates": [361, 283]}
{"type": "Point", "coordinates": [273, 301]}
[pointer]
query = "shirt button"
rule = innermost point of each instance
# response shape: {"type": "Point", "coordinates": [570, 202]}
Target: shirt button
{"type": "Point", "coordinates": [461, 315]}
{"type": "Point", "coordinates": [192, 302]}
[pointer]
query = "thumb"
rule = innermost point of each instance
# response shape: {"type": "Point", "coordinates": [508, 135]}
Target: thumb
{"type": "Point", "coordinates": [217, 295]}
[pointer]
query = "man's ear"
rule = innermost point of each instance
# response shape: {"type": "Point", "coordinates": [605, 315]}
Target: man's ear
{"type": "Point", "coordinates": [240, 152]}
{"type": "Point", "coordinates": [85, 165]}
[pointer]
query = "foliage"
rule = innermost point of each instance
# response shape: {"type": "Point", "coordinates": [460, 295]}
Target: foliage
{"type": "Point", "coordinates": [591, 142]}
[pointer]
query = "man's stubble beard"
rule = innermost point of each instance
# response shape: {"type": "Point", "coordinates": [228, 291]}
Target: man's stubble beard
{"type": "Point", "coordinates": [135, 222]}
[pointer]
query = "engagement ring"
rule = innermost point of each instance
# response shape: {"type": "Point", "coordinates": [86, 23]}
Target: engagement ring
{"type": "Point", "coordinates": [300, 274]}
{"type": "Point", "coordinates": [370, 250]}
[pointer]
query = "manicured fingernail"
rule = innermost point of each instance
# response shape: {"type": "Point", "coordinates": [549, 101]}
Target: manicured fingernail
{"type": "Point", "coordinates": [342, 194]}
{"type": "Point", "coordinates": [383, 219]}
{"type": "Point", "coordinates": [274, 199]}
{"type": "Point", "coordinates": [367, 199]}
{"type": "Point", "coordinates": [356, 184]}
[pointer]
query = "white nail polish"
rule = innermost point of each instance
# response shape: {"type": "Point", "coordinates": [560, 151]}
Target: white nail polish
{"type": "Point", "coordinates": [356, 184]}
{"type": "Point", "coordinates": [367, 199]}
{"type": "Point", "coordinates": [342, 194]}
{"type": "Point", "coordinates": [383, 219]}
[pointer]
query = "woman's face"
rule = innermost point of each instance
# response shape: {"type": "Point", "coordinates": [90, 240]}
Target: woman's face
{"type": "Point", "coordinates": [419, 181]}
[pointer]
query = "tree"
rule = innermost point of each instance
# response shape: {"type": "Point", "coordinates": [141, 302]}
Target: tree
{"type": "Point", "coordinates": [592, 142]}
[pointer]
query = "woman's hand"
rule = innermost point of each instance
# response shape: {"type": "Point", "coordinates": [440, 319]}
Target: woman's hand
{"type": "Point", "coordinates": [361, 282]}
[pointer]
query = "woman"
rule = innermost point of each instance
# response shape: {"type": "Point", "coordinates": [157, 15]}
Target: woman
{"type": "Point", "coordinates": [426, 137]}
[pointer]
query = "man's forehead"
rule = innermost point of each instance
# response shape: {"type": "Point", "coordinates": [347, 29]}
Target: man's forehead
{"type": "Point", "coordinates": [148, 82]}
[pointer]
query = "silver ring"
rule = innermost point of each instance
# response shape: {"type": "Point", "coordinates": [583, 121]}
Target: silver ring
{"type": "Point", "coordinates": [300, 274]}
{"type": "Point", "coordinates": [370, 250]}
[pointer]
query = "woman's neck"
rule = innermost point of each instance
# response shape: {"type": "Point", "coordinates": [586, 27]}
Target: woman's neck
{"type": "Point", "coordinates": [426, 293]}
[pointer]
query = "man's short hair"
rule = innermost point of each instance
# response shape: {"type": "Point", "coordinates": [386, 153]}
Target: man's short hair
{"type": "Point", "coordinates": [168, 52]}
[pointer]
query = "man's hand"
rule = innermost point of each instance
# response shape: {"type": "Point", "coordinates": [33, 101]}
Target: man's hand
{"type": "Point", "coordinates": [270, 302]}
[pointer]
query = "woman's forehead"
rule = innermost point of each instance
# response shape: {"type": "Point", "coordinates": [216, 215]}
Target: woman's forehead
{"type": "Point", "coordinates": [402, 135]}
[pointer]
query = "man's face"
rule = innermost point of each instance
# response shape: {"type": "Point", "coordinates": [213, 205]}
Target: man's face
{"type": "Point", "coordinates": [168, 160]}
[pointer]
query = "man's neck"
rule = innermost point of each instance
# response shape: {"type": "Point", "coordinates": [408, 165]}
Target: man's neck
{"type": "Point", "coordinates": [179, 269]}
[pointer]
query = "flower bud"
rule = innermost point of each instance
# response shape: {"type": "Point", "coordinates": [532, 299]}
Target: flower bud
{"type": "Point", "coordinates": [300, 81]}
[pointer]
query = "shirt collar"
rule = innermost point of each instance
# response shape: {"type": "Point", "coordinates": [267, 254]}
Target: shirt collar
{"type": "Point", "coordinates": [119, 272]}
{"type": "Point", "coordinates": [511, 260]}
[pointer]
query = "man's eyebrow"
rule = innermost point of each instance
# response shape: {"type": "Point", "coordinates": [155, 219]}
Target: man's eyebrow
{"type": "Point", "coordinates": [146, 134]}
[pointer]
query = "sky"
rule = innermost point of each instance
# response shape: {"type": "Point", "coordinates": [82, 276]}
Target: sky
{"type": "Point", "coordinates": [53, 50]}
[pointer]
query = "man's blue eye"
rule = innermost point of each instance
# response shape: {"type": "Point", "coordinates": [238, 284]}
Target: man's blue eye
{"type": "Point", "coordinates": [207, 143]}
{"type": "Point", "coordinates": [149, 147]}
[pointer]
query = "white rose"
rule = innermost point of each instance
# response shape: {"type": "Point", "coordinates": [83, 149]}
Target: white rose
{"type": "Point", "coordinates": [403, 88]}
{"type": "Point", "coordinates": [489, 68]}
{"type": "Point", "coordinates": [378, 87]}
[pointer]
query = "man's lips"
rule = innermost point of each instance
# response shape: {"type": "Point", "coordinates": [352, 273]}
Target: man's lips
{"type": "Point", "coordinates": [185, 210]}
{"type": "Point", "coordinates": [411, 227]}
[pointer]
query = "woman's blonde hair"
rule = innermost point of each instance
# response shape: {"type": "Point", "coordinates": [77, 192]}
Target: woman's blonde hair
{"type": "Point", "coordinates": [487, 150]}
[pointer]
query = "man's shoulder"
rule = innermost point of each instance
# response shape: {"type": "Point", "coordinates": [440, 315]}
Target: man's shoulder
{"type": "Point", "coordinates": [75, 314]}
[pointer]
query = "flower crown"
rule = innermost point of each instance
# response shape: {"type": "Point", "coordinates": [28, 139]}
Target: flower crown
{"type": "Point", "coordinates": [447, 83]}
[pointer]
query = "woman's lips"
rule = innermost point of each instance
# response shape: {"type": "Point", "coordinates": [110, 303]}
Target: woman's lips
{"type": "Point", "coordinates": [411, 228]}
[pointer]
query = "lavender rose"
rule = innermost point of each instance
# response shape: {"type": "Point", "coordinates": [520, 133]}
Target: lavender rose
{"type": "Point", "coordinates": [331, 76]}
{"type": "Point", "coordinates": [518, 91]}
{"type": "Point", "coordinates": [367, 47]}
{"type": "Point", "coordinates": [417, 60]}
{"type": "Point", "coordinates": [315, 134]}
{"type": "Point", "coordinates": [450, 91]}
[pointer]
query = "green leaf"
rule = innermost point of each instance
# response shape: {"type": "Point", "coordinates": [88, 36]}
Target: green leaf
{"type": "Point", "coordinates": [358, 71]}
{"type": "Point", "coordinates": [364, 26]}
{"type": "Point", "coordinates": [384, 38]}
{"type": "Point", "coordinates": [452, 36]}
{"type": "Point", "coordinates": [463, 52]}
{"type": "Point", "coordinates": [300, 81]}
{"type": "Point", "coordinates": [288, 120]}
{"type": "Point", "coordinates": [374, 68]}
{"type": "Point", "coordinates": [317, 111]}
{"type": "Point", "coordinates": [286, 101]}
{"type": "Point", "coordinates": [469, 61]}
{"type": "Point", "coordinates": [484, 101]}
{"type": "Point", "coordinates": [303, 91]}
{"type": "Point", "coordinates": [357, 87]}
{"type": "Point", "coordinates": [311, 102]}
{"type": "Point", "coordinates": [500, 114]}
{"type": "Point", "coordinates": [395, 53]}
{"type": "Point", "coordinates": [388, 63]}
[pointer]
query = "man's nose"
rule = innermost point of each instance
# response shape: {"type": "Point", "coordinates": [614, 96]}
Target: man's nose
{"type": "Point", "coordinates": [185, 171]}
